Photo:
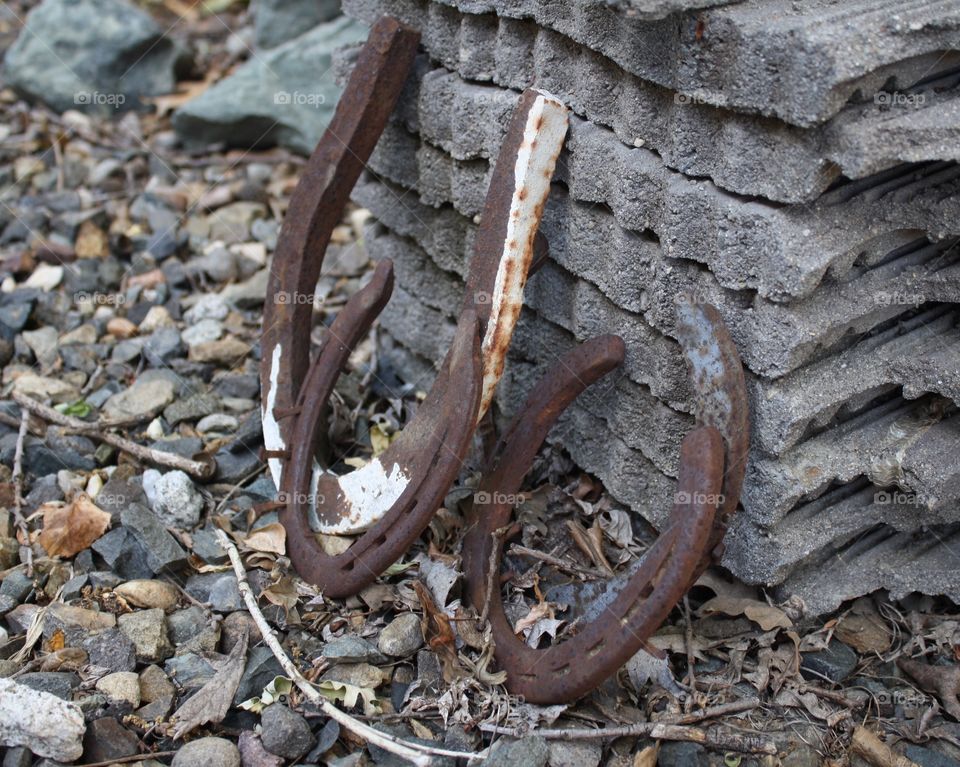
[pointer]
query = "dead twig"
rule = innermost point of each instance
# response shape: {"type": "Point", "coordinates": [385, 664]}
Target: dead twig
{"type": "Point", "coordinates": [131, 758]}
{"type": "Point", "coordinates": [867, 745]}
{"type": "Point", "coordinates": [691, 659]}
{"type": "Point", "coordinates": [413, 752]}
{"type": "Point", "coordinates": [724, 709]}
{"type": "Point", "coordinates": [26, 550]}
{"type": "Point", "coordinates": [560, 564]}
{"type": "Point", "coordinates": [200, 469]}
{"type": "Point", "coordinates": [745, 743]}
{"type": "Point", "coordinates": [492, 571]}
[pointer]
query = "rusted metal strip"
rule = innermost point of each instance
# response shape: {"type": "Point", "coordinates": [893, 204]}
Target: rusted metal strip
{"type": "Point", "coordinates": [630, 608]}
{"type": "Point", "coordinates": [316, 207]}
{"type": "Point", "coordinates": [390, 499]}
{"type": "Point", "coordinates": [719, 400]}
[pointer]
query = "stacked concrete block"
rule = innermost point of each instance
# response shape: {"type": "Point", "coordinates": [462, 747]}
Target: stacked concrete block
{"type": "Point", "coordinates": [794, 164]}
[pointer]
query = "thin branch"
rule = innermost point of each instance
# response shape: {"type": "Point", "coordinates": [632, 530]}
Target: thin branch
{"type": "Point", "coordinates": [131, 758]}
{"type": "Point", "coordinates": [200, 469]}
{"type": "Point", "coordinates": [560, 564]}
{"type": "Point", "coordinates": [26, 549]}
{"type": "Point", "coordinates": [413, 752]}
{"type": "Point", "coordinates": [747, 743]}
{"type": "Point", "coordinates": [868, 746]}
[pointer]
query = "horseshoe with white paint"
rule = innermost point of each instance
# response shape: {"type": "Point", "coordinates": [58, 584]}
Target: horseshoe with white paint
{"type": "Point", "coordinates": [392, 498]}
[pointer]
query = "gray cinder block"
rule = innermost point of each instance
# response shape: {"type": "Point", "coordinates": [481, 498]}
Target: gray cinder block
{"type": "Point", "coordinates": [800, 63]}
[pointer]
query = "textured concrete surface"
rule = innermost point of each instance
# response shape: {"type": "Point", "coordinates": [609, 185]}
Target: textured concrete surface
{"type": "Point", "coordinates": [733, 149]}
{"type": "Point", "coordinates": [629, 439]}
{"type": "Point", "coordinates": [825, 232]}
{"type": "Point", "coordinates": [631, 269]}
{"type": "Point", "coordinates": [891, 440]}
{"type": "Point", "coordinates": [792, 249]}
{"type": "Point", "coordinates": [800, 62]}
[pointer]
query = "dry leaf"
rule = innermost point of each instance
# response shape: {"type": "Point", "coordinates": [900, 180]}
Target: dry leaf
{"type": "Point", "coordinates": [765, 616]}
{"type": "Point", "coordinates": [591, 543]}
{"type": "Point", "coordinates": [646, 758]}
{"type": "Point", "coordinates": [284, 594]}
{"type": "Point", "coordinates": [211, 703]}
{"type": "Point", "coordinates": [70, 528]}
{"type": "Point", "coordinates": [438, 632]}
{"type": "Point", "coordinates": [864, 630]}
{"type": "Point", "coordinates": [349, 694]}
{"type": "Point", "coordinates": [271, 539]}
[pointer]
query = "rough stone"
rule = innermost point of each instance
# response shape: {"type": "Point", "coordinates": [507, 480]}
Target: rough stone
{"type": "Point", "coordinates": [139, 400]}
{"type": "Point", "coordinates": [107, 739]}
{"type": "Point", "coordinates": [352, 649]}
{"type": "Point", "coordinates": [679, 754]}
{"type": "Point", "coordinates": [260, 670]}
{"type": "Point", "coordinates": [211, 752]}
{"type": "Point", "coordinates": [163, 553]}
{"type": "Point", "coordinates": [507, 752]}
{"type": "Point", "coordinates": [121, 685]}
{"type": "Point", "coordinates": [177, 502]}
{"type": "Point", "coordinates": [277, 21]}
{"type": "Point", "coordinates": [220, 590]}
{"type": "Point", "coordinates": [285, 733]}
{"type": "Point", "coordinates": [48, 726]}
{"type": "Point", "coordinates": [59, 683]}
{"type": "Point", "coordinates": [191, 408]}
{"type": "Point", "coordinates": [108, 58]}
{"type": "Point", "coordinates": [401, 637]}
{"type": "Point", "coordinates": [574, 754]}
{"type": "Point", "coordinates": [275, 98]}
{"type": "Point", "coordinates": [835, 663]}
{"type": "Point", "coordinates": [110, 649]}
{"type": "Point", "coordinates": [147, 629]}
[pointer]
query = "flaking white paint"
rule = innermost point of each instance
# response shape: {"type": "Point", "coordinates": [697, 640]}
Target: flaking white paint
{"type": "Point", "coordinates": [532, 173]}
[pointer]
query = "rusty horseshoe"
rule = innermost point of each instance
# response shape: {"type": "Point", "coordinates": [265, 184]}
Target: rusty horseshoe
{"type": "Point", "coordinates": [391, 499]}
{"type": "Point", "coordinates": [630, 608]}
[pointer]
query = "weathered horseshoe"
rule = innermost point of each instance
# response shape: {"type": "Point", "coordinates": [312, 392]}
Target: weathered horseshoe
{"type": "Point", "coordinates": [391, 499]}
{"type": "Point", "coordinates": [632, 607]}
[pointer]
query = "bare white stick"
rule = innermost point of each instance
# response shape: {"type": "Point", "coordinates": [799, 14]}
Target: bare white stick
{"type": "Point", "coordinates": [413, 752]}
{"type": "Point", "coordinates": [26, 549]}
